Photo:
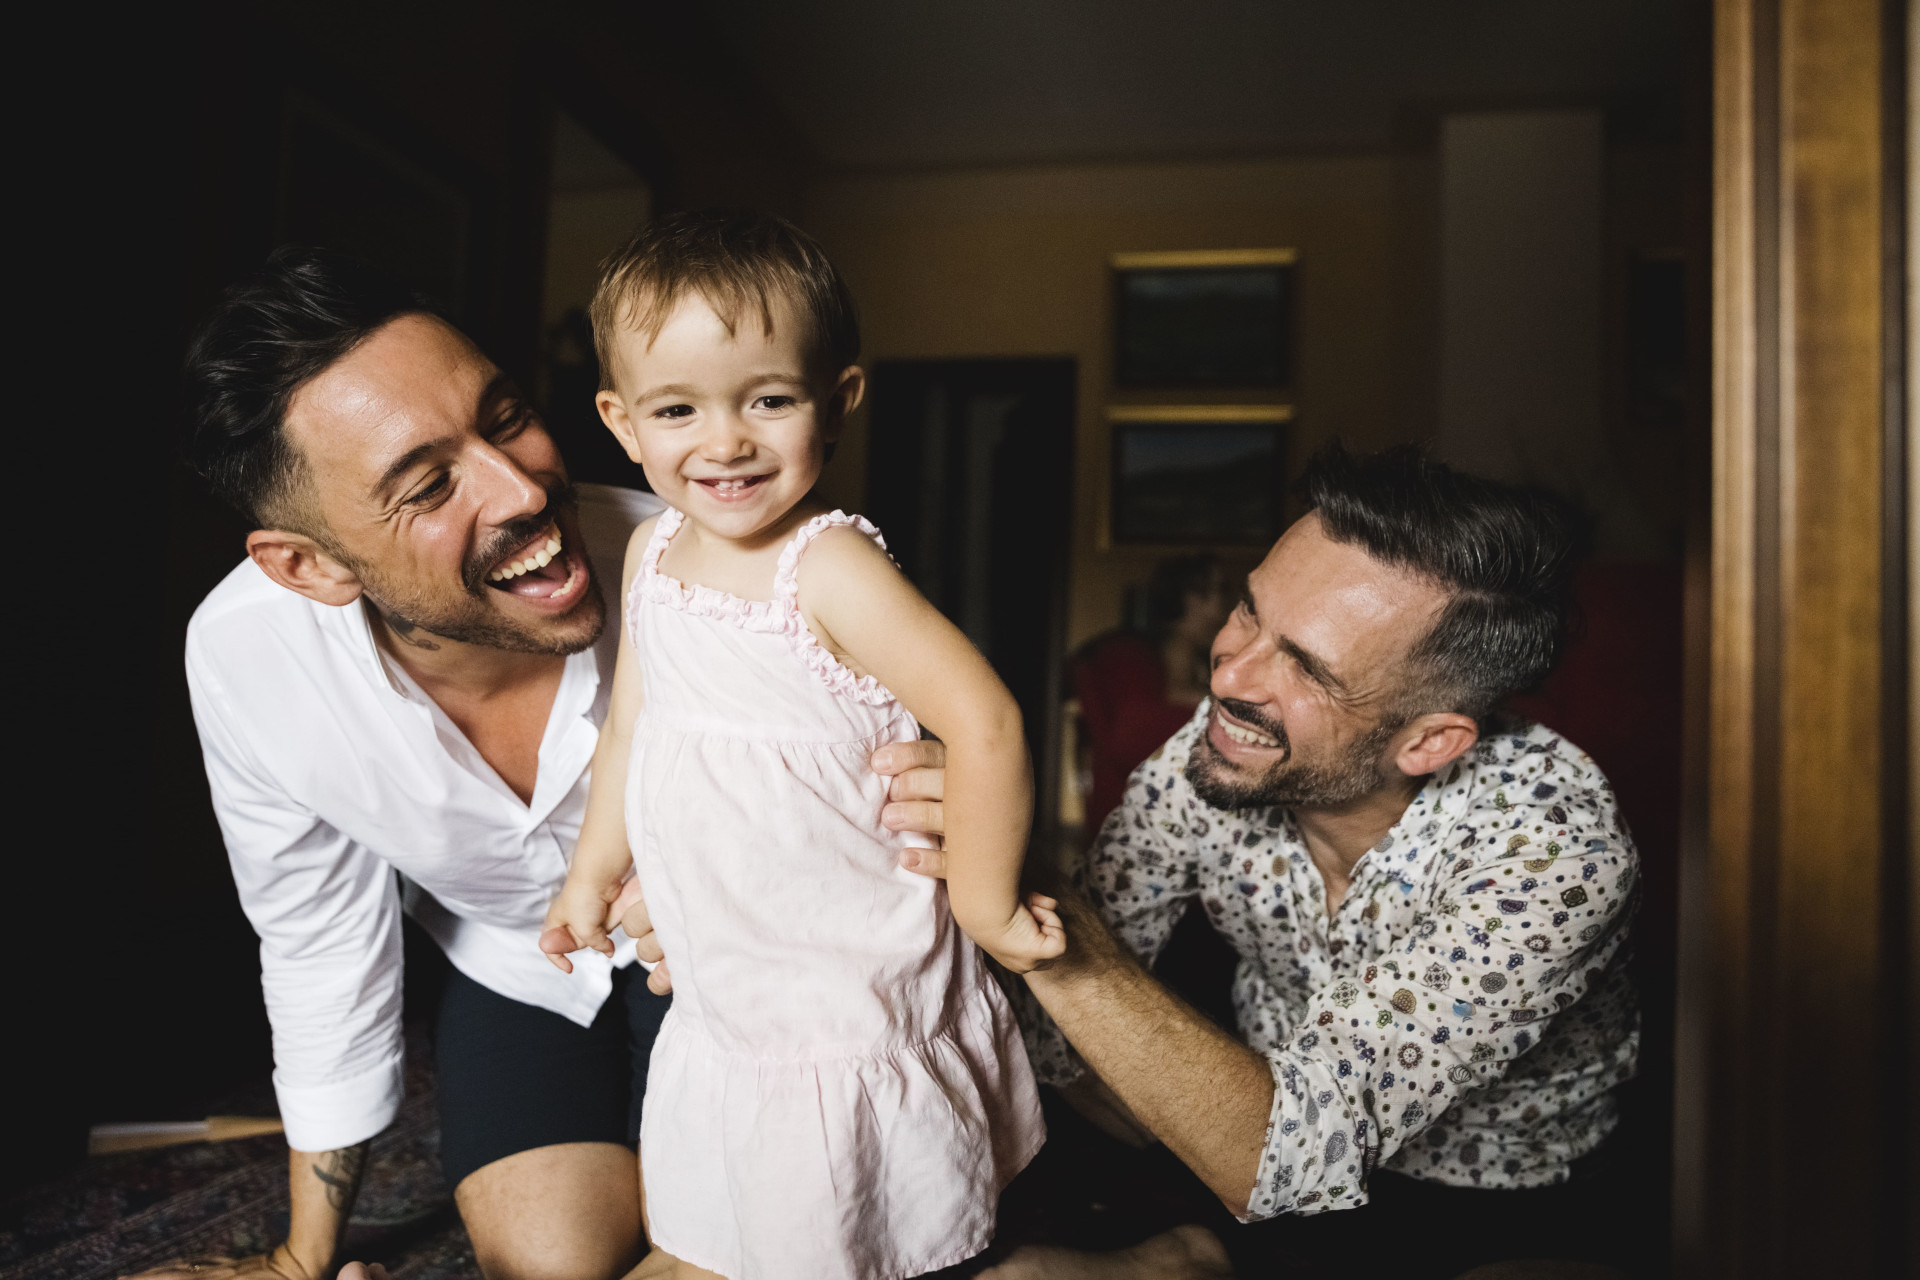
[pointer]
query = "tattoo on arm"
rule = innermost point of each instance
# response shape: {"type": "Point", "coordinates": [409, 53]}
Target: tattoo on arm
{"type": "Point", "coordinates": [341, 1171]}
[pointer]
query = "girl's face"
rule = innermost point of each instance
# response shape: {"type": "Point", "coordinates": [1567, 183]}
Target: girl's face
{"type": "Point", "coordinates": [730, 427]}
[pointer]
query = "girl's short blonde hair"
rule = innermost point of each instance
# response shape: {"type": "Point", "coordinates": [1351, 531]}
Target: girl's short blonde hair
{"type": "Point", "coordinates": [739, 261]}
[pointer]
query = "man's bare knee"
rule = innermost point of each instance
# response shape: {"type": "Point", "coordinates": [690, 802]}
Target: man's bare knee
{"type": "Point", "coordinates": [565, 1212]}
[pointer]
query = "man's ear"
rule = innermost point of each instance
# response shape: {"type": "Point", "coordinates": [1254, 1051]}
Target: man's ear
{"type": "Point", "coordinates": [614, 414]}
{"type": "Point", "coordinates": [298, 563]}
{"type": "Point", "coordinates": [849, 389]}
{"type": "Point", "coordinates": [1431, 742]}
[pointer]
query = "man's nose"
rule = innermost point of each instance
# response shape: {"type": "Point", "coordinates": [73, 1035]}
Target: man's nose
{"type": "Point", "coordinates": [1236, 669]}
{"type": "Point", "coordinates": [509, 492]}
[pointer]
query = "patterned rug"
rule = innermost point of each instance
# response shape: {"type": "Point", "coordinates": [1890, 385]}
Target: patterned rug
{"type": "Point", "coordinates": [123, 1213]}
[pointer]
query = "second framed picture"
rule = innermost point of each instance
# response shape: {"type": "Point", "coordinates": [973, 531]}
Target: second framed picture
{"type": "Point", "coordinates": [1209, 475]}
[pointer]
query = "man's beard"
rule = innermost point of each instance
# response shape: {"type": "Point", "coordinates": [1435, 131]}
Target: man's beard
{"type": "Point", "coordinates": [470, 617]}
{"type": "Point", "coordinates": [1352, 773]}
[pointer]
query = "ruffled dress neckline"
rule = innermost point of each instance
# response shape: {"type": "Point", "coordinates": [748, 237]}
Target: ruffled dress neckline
{"type": "Point", "coordinates": [779, 616]}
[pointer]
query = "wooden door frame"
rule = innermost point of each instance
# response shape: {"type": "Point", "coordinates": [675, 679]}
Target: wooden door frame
{"type": "Point", "coordinates": [1796, 1008]}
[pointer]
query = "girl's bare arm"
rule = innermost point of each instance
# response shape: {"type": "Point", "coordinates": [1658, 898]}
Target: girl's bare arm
{"type": "Point", "coordinates": [864, 610]}
{"type": "Point", "coordinates": [578, 917]}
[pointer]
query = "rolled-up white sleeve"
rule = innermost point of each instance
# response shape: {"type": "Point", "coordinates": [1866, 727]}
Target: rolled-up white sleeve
{"type": "Point", "coordinates": [328, 914]}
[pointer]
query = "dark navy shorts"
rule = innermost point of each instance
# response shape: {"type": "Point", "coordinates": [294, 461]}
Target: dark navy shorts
{"type": "Point", "coordinates": [512, 1077]}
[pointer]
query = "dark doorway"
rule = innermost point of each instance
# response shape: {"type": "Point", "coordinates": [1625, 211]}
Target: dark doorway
{"type": "Point", "coordinates": [971, 478]}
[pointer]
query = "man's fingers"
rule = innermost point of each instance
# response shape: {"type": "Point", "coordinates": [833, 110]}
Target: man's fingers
{"type": "Point", "coordinates": [623, 905]}
{"type": "Point", "coordinates": [660, 982]}
{"type": "Point", "coordinates": [558, 940]}
{"type": "Point", "coordinates": [926, 816]}
{"type": "Point", "coordinates": [927, 862]}
{"type": "Point", "coordinates": [898, 757]}
{"type": "Point", "coordinates": [637, 921]}
{"type": "Point", "coordinates": [918, 784]}
{"type": "Point", "coordinates": [647, 947]}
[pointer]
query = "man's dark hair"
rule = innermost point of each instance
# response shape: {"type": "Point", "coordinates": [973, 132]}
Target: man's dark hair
{"type": "Point", "coordinates": [271, 334]}
{"type": "Point", "coordinates": [1504, 553]}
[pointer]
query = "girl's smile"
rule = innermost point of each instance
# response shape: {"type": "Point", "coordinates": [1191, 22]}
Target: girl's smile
{"type": "Point", "coordinates": [730, 423]}
{"type": "Point", "coordinates": [733, 488]}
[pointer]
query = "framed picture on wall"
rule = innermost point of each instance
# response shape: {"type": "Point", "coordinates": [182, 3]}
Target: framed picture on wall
{"type": "Point", "coordinates": [1204, 318]}
{"type": "Point", "coordinates": [1210, 475]}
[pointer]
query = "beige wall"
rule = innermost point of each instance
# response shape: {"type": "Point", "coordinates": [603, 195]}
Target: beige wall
{"type": "Point", "coordinates": [1014, 262]}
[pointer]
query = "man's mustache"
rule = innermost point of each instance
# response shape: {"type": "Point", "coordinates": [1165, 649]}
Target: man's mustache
{"type": "Point", "coordinates": [560, 497]}
{"type": "Point", "coordinates": [1248, 714]}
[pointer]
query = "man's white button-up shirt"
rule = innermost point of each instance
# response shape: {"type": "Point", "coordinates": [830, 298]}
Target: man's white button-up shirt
{"type": "Point", "coordinates": [331, 771]}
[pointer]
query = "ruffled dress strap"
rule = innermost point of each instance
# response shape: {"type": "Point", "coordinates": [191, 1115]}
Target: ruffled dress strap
{"type": "Point", "coordinates": [663, 530]}
{"type": "Point", "coordinates": [786, 598]}
{"type": "Point", "coordinates": [651, 586]}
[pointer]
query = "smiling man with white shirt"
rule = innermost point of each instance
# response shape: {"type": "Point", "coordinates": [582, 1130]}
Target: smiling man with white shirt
{"type": "Point", "coordinates": [398, 695]}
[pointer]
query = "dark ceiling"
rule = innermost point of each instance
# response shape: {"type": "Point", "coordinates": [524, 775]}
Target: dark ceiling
{"type": "Point", "coordinates": [882, 84]}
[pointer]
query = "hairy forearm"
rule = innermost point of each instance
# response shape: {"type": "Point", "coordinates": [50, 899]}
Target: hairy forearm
{"type": "Point", "coordinates": [1200, 1091]}
{"type": "Point", "coordinates": [322, 1186]}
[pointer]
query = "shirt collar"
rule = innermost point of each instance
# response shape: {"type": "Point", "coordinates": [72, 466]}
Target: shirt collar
{"type": "Point", "coordinates": [352, 627]}
{"type": "Point", "coordinates": [1400, 854]}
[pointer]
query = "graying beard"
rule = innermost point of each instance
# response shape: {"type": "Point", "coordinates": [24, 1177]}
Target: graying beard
{"type": "Point", "coordinates": [1289, 784]}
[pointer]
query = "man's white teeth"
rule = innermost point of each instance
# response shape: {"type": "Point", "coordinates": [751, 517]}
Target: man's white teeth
{"type": "Point", "coordinates": [538, 560]}
{"type": "Point", "coordinates": [1247, 737]}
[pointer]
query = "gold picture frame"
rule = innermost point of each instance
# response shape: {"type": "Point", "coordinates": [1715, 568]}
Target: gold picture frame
{"type": "Point", "coordinates": [1186, 475]}
{"type": "Point", "coordinates": [1204, 319]}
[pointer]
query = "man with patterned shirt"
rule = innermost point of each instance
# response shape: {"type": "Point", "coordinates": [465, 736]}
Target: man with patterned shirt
{"type": "Point", "coordinates": [1429, 905]}
{"type": "Point", "coordinates": [1456, 1017]}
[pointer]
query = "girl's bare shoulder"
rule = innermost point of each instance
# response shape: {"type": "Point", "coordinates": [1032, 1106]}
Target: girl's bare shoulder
{"type": "Point", "coordinates": [642, 532]}
{"type": "Point", "coordinates": [636, 548]}
{"type": "Point", "coordinates": [839, 551]}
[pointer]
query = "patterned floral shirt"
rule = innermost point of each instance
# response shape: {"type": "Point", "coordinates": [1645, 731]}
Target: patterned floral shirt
{"type": "Point", "coordinates": [1463, 1015]}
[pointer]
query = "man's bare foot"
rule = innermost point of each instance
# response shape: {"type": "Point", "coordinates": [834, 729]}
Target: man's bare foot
{"type": "Point", "coordinates": [1184, 1253]}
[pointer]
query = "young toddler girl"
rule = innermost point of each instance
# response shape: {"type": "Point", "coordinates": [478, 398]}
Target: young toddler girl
{"type": "Point", "coordinates": [840, 1088]}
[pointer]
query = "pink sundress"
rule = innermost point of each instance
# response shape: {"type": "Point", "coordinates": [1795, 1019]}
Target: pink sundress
{"type": "Point", "coordinates": [840, 1088]}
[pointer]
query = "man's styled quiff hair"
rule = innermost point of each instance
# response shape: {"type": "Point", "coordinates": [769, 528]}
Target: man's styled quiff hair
{"type": "Point", "coordinates": [740, 262]}
{"type": "Point", "coordinates": [1504, 554]}
{"type": "Point", "coordinates": [272, 334]}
